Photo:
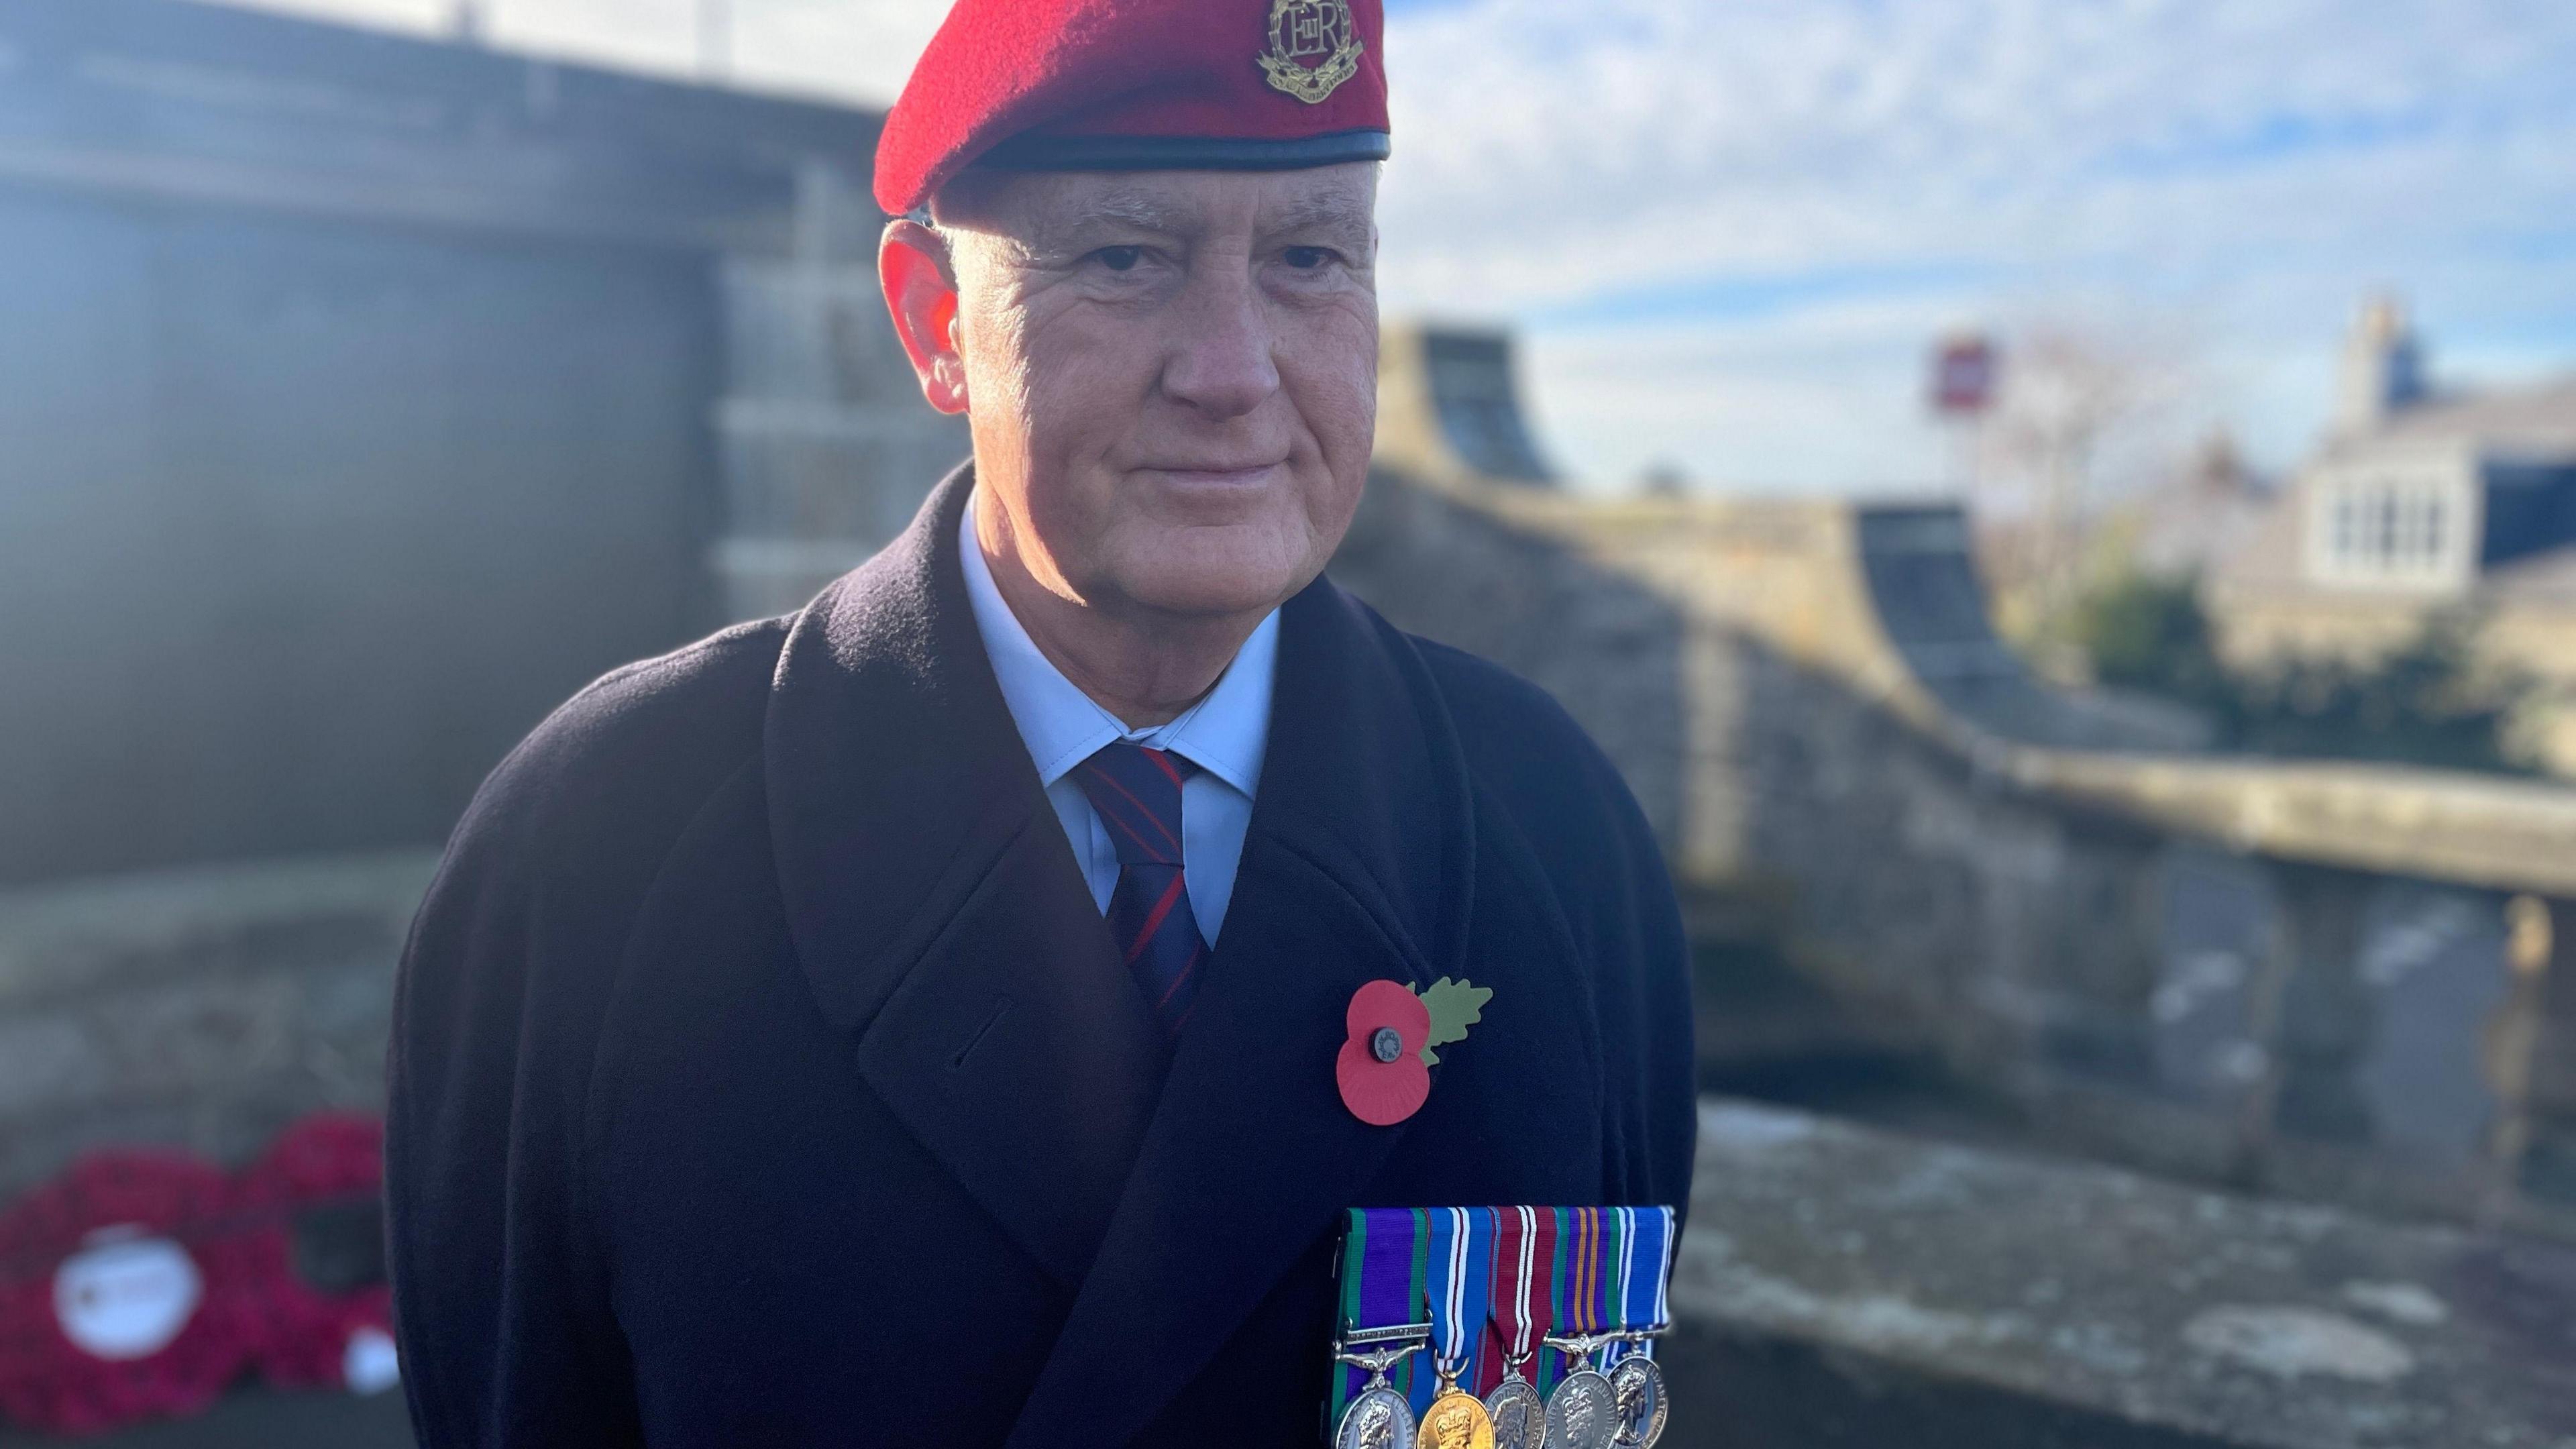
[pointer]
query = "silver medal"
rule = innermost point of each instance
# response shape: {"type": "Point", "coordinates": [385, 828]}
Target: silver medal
{"type": "Point", "coordinates": [1378, 1419]}
{"type": "Point", "coordinates": [1519, 1414]}
{"type": "Point", "coordinates": [1582, 1413]}
{"type": "Point", "coordinates": [1637, 1397]}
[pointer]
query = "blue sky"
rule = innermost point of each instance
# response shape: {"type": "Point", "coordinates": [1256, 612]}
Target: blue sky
{"type": "Point", "coordinates": [1728, 230]}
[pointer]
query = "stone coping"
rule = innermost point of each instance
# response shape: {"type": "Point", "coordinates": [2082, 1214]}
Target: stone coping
{"type": "Point", "coordinates": [2214, 1318]}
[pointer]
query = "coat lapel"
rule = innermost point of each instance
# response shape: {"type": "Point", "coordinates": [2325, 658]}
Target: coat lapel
{"type": "Point", "coordinates": [1357, 866]}
{"type": "Point", "coordinates": [935, 909]}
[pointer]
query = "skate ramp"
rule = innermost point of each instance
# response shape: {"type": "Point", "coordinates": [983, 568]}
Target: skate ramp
{"type": "Point", "coordinates": [1930, 607]}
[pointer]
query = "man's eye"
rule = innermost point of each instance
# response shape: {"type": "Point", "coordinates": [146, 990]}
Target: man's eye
{"type": "Point", "coordinates": [1307, 259]}
{"type": "Point", "coordinates": [1119, 259]}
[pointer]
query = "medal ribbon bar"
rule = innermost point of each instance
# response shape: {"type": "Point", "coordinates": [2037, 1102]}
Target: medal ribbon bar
{"type": "Point", "coordinates": [1385, 1260]}
{"type": "Point", "coordinates": [1462, 1268]}
{"type": "Point", "coordinates": [1597, 1273]}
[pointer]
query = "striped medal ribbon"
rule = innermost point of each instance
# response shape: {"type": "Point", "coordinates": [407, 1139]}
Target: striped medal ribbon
{"type": "Point", "coordinates": [1581, 1411]}
{"type": "Point", "coordinates": [1386, 1254]}
{"type": "Point", "coordinates": [1644, 1275]}
{"type": "Point", "coordinates": [1460, 1283]}
{"type": "Point", "coordinates": [1523, 1238]}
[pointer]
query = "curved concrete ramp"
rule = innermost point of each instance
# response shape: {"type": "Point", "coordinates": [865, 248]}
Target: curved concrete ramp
{"type": "Point", "coordinates": [1922, 582]}
{"type": "Point", "coordinates": [1448, 405]}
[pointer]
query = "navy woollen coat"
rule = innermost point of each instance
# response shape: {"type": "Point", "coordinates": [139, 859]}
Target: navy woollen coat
{"type": "Point", "coordinates": [763, 1073]}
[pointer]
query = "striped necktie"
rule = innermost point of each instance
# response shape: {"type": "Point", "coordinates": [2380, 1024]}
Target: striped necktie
{"type": "Point", "coordinates": [1138, 794]}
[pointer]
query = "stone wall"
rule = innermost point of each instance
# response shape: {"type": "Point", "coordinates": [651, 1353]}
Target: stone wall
{"type": "Point", "coordinates": [202, 1008]}
{"type": "Point", "coordinates": [1881, 855]}
{"type": "Point", "coordinates": [367, 395]}
{"type": "Point", "coordinates": [828, 448]}
{"type": "Point", "coordinates": [1956, 865]}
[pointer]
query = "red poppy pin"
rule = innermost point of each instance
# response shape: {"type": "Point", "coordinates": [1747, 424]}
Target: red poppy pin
{"type": "Point", "coordinates": [1384, 1067]}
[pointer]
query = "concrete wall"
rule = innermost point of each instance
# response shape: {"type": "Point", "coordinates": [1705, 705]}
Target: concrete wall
{"type": "Point", "coordinates": [303, 523]}
{"type": "Point", "coordinates": [363, 397]}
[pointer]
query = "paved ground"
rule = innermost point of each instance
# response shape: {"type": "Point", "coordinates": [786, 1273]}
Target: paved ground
{"type": "Point", "coordinates": [258, 1419]}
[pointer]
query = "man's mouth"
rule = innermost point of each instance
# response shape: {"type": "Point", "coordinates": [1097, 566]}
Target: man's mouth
{"type": "Point", "coordinates": [1213, 474]}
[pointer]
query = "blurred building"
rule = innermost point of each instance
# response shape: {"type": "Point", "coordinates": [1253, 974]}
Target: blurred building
{"type": "Point", "coordinates": [364, 396]}
{"type": "Point", "coordinates": [2421, 499]}
{"type": "Point", "coordinates": [2204, 515]}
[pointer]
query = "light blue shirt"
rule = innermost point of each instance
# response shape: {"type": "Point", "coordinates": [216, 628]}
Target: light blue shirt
{"type": "Point", "coordinates": [1224, 734]}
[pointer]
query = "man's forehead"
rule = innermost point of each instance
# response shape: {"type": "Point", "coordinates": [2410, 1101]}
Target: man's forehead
{"type": "Point", "coordinates": [1038, 205]}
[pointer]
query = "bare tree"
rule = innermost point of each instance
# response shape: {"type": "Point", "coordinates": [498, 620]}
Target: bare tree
{"type": "Point", "coordinates": [2086, 416]}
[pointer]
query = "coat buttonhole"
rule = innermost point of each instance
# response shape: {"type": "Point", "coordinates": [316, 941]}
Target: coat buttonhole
{"type": "Point", "coordinates": [1000, 1005]}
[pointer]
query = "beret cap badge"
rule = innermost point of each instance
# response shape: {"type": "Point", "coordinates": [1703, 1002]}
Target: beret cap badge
{"type": "Point", "coordinates": [1314, 47]}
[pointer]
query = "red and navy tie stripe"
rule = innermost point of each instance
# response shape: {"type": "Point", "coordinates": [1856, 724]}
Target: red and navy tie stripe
{"type": "Point", "coordinates": [1138, 794]}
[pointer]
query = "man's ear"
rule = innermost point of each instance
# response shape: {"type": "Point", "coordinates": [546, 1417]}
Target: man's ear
{"type": "Point", "coordinates": [921, 293]}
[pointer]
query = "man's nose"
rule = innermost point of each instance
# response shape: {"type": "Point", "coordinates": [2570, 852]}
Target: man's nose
{"type": "Point", "coordinates": [1220, 360]}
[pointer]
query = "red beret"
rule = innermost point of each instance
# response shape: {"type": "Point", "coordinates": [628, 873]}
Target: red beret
{"type": "Point", "coordinates": [1135, 85]}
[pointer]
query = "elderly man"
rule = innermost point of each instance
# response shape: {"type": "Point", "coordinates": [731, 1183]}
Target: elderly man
{"type": "Point", "coordinates": [963, 1011]}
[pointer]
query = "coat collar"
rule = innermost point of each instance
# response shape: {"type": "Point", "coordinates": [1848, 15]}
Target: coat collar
{"type": "Point", "coordinates": [927, 888]}
{"type": "Point", "coordinates": [937, 913]}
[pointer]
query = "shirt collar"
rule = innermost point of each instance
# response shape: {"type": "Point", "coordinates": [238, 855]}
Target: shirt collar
{"type": "Point", "coordinates": [1225, 733]}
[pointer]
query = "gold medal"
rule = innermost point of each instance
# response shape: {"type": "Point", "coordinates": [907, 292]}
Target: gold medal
{"type": "Point", "coordinates": [1456, 1420]}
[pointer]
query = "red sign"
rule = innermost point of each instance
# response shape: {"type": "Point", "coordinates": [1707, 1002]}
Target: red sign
{"type": "Point", "coordinates": [1963, 376]}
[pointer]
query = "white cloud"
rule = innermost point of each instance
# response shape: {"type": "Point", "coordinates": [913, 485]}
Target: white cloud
{"type": "Point", "coordinates": [2251, 168]}
{"type": "Point", "coordinates": [1731, 229]}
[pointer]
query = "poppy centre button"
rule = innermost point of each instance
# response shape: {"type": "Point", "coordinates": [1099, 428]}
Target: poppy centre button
{"type": "Point", "coordinates": [1379, 1069]}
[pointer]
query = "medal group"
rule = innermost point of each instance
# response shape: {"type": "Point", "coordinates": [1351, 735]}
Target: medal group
{"type": "Point", "coordinates": [1501, 1328]}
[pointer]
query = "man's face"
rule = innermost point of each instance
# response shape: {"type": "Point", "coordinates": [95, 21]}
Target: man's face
{"type": "Point", "coordinates": [1171, 376]}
